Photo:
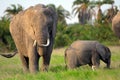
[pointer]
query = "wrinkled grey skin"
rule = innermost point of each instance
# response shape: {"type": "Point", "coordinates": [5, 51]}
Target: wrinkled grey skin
{"type": "Point", "coordinates": [86, 52]}
{"type": "Point", "coordinates": [31, 30]}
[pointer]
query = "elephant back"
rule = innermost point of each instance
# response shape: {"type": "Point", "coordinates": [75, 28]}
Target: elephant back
{"type": "Point", "coordinates": [83, 45]}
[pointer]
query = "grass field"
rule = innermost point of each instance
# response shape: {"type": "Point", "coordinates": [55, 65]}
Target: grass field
{"type": "Point", "coordinates": [11, 69]}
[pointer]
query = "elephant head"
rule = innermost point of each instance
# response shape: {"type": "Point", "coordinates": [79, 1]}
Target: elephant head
{"type": "Point", "coordinates": [42, 26]}
{"type": "Point", "coordinates": [104, 54]}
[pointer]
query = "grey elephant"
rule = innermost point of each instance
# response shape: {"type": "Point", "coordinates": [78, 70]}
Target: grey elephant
{"type": "Point", "coordinates": [116, 24]}
{"type": "Point", "coordinates": [33, 32]}
{"type": "Point", "coordinates": [87, 52]}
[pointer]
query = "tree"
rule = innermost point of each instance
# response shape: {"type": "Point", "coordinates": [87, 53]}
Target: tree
{"type": "Point", "coordinates": [6, 42]}
{"type": "Point", "coordinates": [83, 10]}
{"type": "Point", "coordinates": [99, 16]}
{"type": "Point", "coordinates": [13, 10]}
{"type": "Point", "coordinates": [62, 14]}
{"type": "Point", "coordinates": [111, 12]}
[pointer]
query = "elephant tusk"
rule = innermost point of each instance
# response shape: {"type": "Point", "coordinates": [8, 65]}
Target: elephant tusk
{"type": "Point", "coordinates": [48, 42]}
{"type": "Point", "coordinates": [35, 42]}
{"type": "Point", "coordinates": [45, 45]}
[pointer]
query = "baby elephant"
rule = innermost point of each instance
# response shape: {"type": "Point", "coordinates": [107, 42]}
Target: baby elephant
{"type": "Point", "coordinates": [87, 52]}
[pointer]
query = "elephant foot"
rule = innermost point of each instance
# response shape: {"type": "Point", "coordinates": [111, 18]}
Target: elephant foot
{"type": "Point", "coordinates": [33, 71]}
{"type": "Point", "coordinates": [44, 68]}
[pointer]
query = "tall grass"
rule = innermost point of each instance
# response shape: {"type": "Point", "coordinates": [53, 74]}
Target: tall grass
{"type": "Point", "coordinates": [11, 69]}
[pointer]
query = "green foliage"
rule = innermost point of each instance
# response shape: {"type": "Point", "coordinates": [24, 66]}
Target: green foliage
{"type": "Point", "coordinates": [67, 34]}
{"type": "Point", "coordinates": [61, 38]}
{"type": "Point", "coordinates": [13, 10]}
{"type": "Point", "coordinates": [6, 41]}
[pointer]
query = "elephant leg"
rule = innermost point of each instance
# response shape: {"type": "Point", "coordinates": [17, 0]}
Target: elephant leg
{"type": "Point", "coordinates": [25, 63]}
{"type": "Point", "coordinates": [46, 62]}
{"type": "Point", "coordinates": [72, 61]}
{"type": "Point", "coordinates": [33, 60]}
{"type": "Point", "coordinates": [47, 56]}
{"type": "Point", "coordinates": [95, 60]}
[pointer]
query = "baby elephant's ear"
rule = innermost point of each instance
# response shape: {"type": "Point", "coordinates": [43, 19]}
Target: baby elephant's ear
{"type": "Point", "coordinates": [101, 50]}
{"type": "Point", "coordinates": [107, 49]}
{"type": "Point", "coordinates": [108, 52]}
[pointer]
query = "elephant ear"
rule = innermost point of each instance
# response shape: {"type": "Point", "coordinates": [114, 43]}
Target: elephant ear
{"type": "Point", "coordinates": [101, 50]}
{"type": "Point", "coordinates": [30, 31]}
{"type": "Point", "coordinates": [108, 52]}
{"type": "Point", "coordinates": [54, 25]}
{"type": "Point", "coordinates": [28, 24]}
{"type": "Point", "coordinates": [32, 20]}
{"type": "Point", "coordinates": [55, 18]}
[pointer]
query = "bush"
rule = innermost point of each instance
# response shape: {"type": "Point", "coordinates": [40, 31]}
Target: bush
{"type": "Point", "coordinates": [6, 41]}
{"type": "Point", "coordinates": [67, 35]}
{"type": "Point", "coordinates": [61, 40]}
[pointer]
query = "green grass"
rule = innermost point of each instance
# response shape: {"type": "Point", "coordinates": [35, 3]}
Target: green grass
{"type": "Point", "coordinates": [11, 69]}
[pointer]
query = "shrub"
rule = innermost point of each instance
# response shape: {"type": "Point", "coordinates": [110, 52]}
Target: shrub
{"type": "Point", "coordinates": [61, 40]}
{"type": "Point", "coordinates": [67, 35]}
{"type": "Point", "coordinates": [6, 41]}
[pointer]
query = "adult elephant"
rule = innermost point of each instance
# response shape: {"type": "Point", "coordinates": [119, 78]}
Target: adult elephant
{"type": "Point", "coordinates": [87, 52]}
{"type": "Point", "coordinates": [33, 32]}
{"type": "Point", "coordinates": [116, 24]}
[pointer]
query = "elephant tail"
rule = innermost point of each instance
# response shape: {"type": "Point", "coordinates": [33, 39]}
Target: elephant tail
{"type": "Point", "coordinates": [9, 55]}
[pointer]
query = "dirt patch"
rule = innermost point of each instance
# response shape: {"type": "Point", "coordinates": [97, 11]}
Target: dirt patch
{"type": "Point", "coordinates": [114, 49]}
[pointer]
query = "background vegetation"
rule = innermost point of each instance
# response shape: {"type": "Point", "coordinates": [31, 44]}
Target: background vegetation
{"type": "Point", "coordinates": [67, 34]}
